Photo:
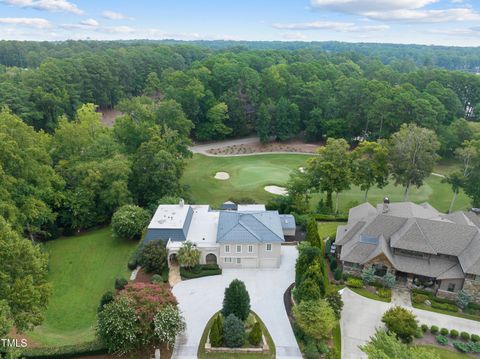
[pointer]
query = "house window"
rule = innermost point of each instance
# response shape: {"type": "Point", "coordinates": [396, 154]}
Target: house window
{"type": "Point", "coordinates": [239, 260]}
{"type": "Point", "coordinates": [250, 249]}
{"type": "Point", "coordinates": [269, 246]}
{"type": "Point", "coordinates": [477, 278]}
{"type": "Point", "coordinates": [227, 249]}
{"type": "Point", "coordinates": [239, 249]}
{"type": "Point", "coordinates": [228, 260]}
{"type": "Point", "coordinates": [451, 287]}
{"type": "Point", "coordinates": [380, 270]}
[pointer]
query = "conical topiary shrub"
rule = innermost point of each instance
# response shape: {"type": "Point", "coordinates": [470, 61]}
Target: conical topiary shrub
{"type": "Point", "coordinates": [255, 336]}
{"type": "Point", "coordinates": [236, 300]}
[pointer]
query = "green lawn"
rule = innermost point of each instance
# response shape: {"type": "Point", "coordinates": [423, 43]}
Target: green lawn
{"type": "Point", "coordinates": [328, 229]}
{"type": "Point", "coordinates": [250, 174]}
{"type": "Point", "coordinates": [82, 268]}
{"type": "Point", "coordinates": [365, 293]}
{"type": "Point", "coordinates": [445, 353]}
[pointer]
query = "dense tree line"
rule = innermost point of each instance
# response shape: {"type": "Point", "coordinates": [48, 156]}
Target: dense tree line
{"type": "Point", "coordinates": [236, 91]}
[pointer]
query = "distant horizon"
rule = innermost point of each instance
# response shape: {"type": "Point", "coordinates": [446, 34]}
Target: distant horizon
{"type": "Point", "coordinates": [420, 22]}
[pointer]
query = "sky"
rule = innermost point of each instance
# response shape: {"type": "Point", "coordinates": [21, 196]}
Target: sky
{"type": "Point", "coordinates": [431, 22]}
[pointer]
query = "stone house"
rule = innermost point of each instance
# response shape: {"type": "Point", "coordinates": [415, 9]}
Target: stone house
{"type": "Point", "coordinates": [421, 246]}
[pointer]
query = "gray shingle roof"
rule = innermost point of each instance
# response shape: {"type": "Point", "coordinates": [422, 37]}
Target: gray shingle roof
{"type": "Point", "coordinates": [346, 233]}
{"type": "Point", "coordinates": [470, 257]}
{"type": "Point", "coordinates": [249, 227]}
{"type": "Point", "coordinates": [411, 237]}
{"type": "Point", "coordinates": [288, 221]}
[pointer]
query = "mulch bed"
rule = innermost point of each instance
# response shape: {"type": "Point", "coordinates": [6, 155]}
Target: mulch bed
{"type": "Point", "coordinates": [143, 277]}
{"type": "Point", "coordinates": [293, 146]}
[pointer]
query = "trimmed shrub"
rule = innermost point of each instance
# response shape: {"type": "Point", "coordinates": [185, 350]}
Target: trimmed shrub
{"type": "Point", "coordinates": [334, 300]}
{"type": "Point", "coordinates": [337, 274]}
{"type": "Point", "coordinates": [434, 329]}
{"type": "Point", "coordinates": [418, 334]}
{"type": "Point", "coordinates": [132, 264]}
{"type": "Point", "coordinates": [465, 336]}
{"type": "Point", "coordinates": [475, 338]}
{"type": "Point", "coordinates": [419, 298]}
{"type": "Point", "coordinates": [311, 351]}
{"type": "Point", "coordinates": [384, 292]}
{"type": "Point", "coordinates": [454, 333]}
{"type": "Point", "coordinates": [445, 306]}
{"type": "Point", "coordinates": [354, 283]}
{"type": "Point", "coordinates": [389, 280]}
{"type": "Point", "coordinates": [461, 347]}
{"type": "Point", "coordinates": [70, 351]}
{"type": "Point", "coordinates": [255, 335]}
{"type": "Point", "coordinates": [120, 283]}
{"type": "Point", "coordinates": [236, 300]}
{"type": "Point", "coordinates": [474, 347]}
{"type": "Point", "coordinates": [107, 297]}
{"type": "Point", "coordinates": [401, 321]}
{"type": "Point", "coordinates": [424, 328]}
{"type": "Point", "coordinates": [156, 279]}
{"type": "Point", "coordinates": [444, 331]}
{"type": "Point", "coordinates": [307, 290]}
{"type": "Point", "coordinates": [333, 265]}
{"type": "Point", "coordinates": [216, 332]}
{"type": "Point", "coordinates": [442, 340]}
{"type": "Point", "coordinates": [233, 332]}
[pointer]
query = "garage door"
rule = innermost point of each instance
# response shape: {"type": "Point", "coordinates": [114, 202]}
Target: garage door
{"type": "Point", "coordinates": [249, 262]}
{"type": "Point", "coordinates": [268, 263]}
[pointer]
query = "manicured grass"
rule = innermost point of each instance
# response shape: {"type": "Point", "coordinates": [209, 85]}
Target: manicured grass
{"type": "Point", "coordinates": [201, 348]}
{"type": "Point", "coordinates": [337, 341]}
{"type": "Point", "coordinates": [445, 353]}
{"type": "Point", "coordinates": [82, 268]}
{"type": "Point", "coordinates": [328, 229]}
{"type": "Point", "coordinates": [365, 293]}
{"type": "Point", "coordinates": [446, 312]}
{"type": "Point", "coordinates": [250, 174]}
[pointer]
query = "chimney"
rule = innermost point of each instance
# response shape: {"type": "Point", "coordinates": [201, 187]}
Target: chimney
{"type": "Point", "coordinates": [386, 203]}
{"type": "Point", "coordinates": [181, 203]}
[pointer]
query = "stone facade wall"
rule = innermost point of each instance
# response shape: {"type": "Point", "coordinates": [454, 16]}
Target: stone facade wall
{"type": "Point", "coordinates": [472, 287]}
{"type": "Point", "coordinates": [446, 294]}
{"type": "Point", "coordinates": [357, 272]}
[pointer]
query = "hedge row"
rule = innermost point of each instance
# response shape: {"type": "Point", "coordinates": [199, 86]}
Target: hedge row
{"type": "Point", "coordinates": [330, 217]}
{"type": "Point", "coordinates": [205, 271]}
{"type": "Point", "coordinates": [65, 352]}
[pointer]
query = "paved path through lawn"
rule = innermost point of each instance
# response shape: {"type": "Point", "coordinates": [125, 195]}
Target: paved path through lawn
{"type": "Point", "coordinates": [360, 317]}
{"type": "Point", "coordinates": [199, 299]}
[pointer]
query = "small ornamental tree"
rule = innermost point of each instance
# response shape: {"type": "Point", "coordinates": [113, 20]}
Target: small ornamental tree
{"type": "Point", "coordinates": [119, 326]}
{"type": "Point", "coordinates": [168, 323]}
{"type": "Point", "coordinates": [107, 297]}
{"type": "Point", "coordinates": [334, 299]}
{"type": "Point", "coordinates": [153, 256]}
{"type": "Point", "coordinates": [188, 255]}
{"type": "Point", "coordinates": [389, 280]}
{"type": "Point", "coordinates": [402, 322]}
{"type": "Point", "coordinates": [368, 275]}
{"type": "Point", "coordinates": [236, 300]}
{"type": "Point", "coordinates": [315, 318]}
{"type": "Point", "coordinates": [216, 332]}
{"type": "Point", "coordinates": [255, 335]}
{"type": "Point", "coordinates": [129, 221]}
{"type": "Point", "coordinates": [463, 299]}
{"type": "Point", "coordinates": [233, 332]}
{"type": "Point", "coordinates": [307, 290]}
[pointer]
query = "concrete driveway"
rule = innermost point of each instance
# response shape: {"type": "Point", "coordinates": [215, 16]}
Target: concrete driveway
{"type": "Point", "coordinates": [199, 299]}
{"type": "Point", "coordinates": [361, 316]}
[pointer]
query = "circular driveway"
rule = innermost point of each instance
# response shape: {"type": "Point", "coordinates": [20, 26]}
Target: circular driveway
{"type": "Point", "coordinates": [199, 299]}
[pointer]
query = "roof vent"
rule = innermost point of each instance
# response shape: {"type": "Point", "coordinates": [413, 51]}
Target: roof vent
{"type": "Point", "coordinates": [386, 205]}
{"type": "Point", "coordinates": [181, 202]}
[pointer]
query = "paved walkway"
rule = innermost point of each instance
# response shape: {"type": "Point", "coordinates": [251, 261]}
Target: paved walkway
{"type": "Point", "coordinates": [199, 299]}
{"type": "Point", "coordinates": [361, 316]}
{"type": "Point", "coordinates": [174, 274]}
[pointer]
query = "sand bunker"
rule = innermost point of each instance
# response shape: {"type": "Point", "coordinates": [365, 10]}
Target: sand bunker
{"type": "Point", "coordinates": [222, 176]}
{"type": "Point", "coordinates": [301, 169]}
{"type": "Point", "coordinates": [276, 190]}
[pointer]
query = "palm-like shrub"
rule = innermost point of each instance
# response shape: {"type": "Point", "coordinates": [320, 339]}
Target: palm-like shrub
{"type": "Point", "coordinates": [188, 255]}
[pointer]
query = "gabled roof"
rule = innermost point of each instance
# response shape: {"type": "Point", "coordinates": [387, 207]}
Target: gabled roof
{"type": "Point", "coordinates": [249, 227]}
{"type": "Point", "coordinates": [411, 237]}
{"type": "Point", "coordinates": [288, 221]}
{"type": "Point", "coordinates": [470, 257]}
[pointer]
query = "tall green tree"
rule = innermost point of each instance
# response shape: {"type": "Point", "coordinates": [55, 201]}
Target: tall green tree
{"type": "Point", "coordinates": [214, 127]}
{"type": "Point", "coordinates": [315, 318]}
{"type": "Point", "coordinates": [470, 182]}
{"type": "Point", "coordinates": [236, 300]}
{"type": "Point", "coordinates": [287, 119]}
{"type": "Point", "coordinates": [188, 255]}
{"type": "Point", "coordinates": [413, 154]}
{"type": "Point", "coordinates": [330, 171]}
{"type": "Point", "coordinates": [23, 280]}
{"type": "Point", "coordinates": [370, 166]}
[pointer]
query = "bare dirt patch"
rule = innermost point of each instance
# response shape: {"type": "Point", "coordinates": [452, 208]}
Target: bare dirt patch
{"type": "Point", "coordinates": [281, 191]}
{"type": "Point", "coordinates": [223, 176]}
{"type": "Point", "coordinates": [251, 148]}
{"type": "Point", "coordinates": [109, 116]}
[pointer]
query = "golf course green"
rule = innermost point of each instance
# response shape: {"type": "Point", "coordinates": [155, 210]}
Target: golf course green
{"type": "Point", "coordinates": [250, 174]}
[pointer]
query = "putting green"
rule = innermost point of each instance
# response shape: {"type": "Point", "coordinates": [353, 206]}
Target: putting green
{"type": "Point", "coordinates": [250, 174]}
